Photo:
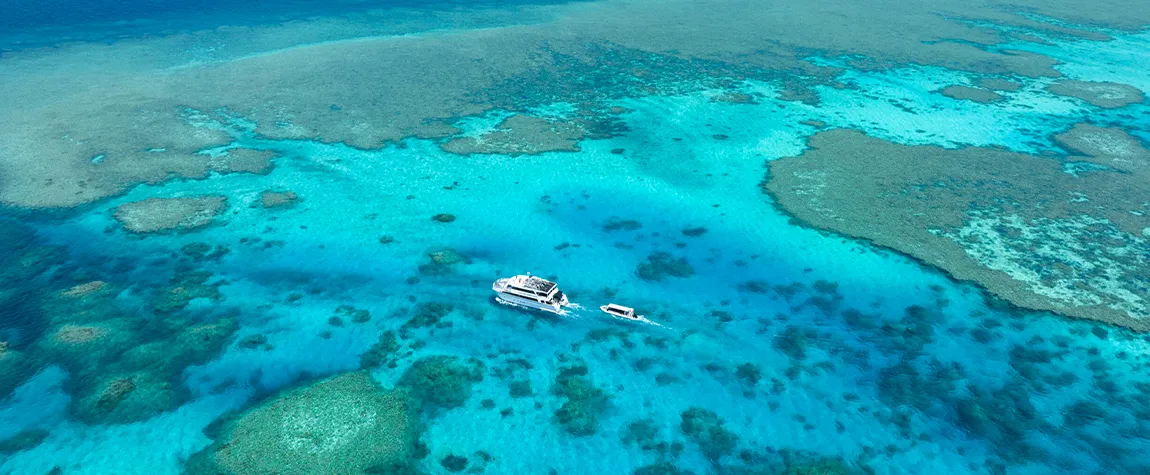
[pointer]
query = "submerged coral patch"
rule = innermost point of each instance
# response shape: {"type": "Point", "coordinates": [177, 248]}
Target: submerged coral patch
{"type": "Point", "coordinates": [442, 381]}
{"type": "Point", "coordinates": [970, 94]}
{"type": "Point", "coordinates": [345, 424]}
{"type": "Point", "coordinates": [660, 265]}
{"type": "Point", "coordinates": [1047, 240]}
{"type": "Point", "coordinates": [706, 428]}
{"type": "Point", "coordinates": [521, 135]}
{"type": "Point", "coordinates": [277, 199]}
{"type": "Point", "coordinates": [169, 214]}
{"type": "Point", "coordinates": [585, 404]}
{"type": "Point", "coordinates": [1109, 95]}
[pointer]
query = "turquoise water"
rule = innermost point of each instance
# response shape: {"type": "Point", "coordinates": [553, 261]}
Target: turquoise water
{"type": "Point", "coordinates": [890, 390]}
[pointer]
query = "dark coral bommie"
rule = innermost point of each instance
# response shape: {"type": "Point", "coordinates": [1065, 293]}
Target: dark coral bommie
{"type": "Point", "coordinates": [427, 314]}
{"type": "Point", "coordinates": [356, 315]}
{"type": "Point", "coordinates": [585, 404]}
{"type": "Point", "coordinates": [441, 261]}
{"type": "Point", "coordinates": [706, 428]}
{"type": "Point", "coordinates": [185, 287]}
{"type": "Point", "coordinates": [442, 381]}
{"type": "Point", "coordinates": [23, 440]}
{"type": "Point", "coordinates": [619, 224]}
{"type": "Point", "coordinates": [380, 352]}
{"type": "Point", "coordinates": [660, 265]}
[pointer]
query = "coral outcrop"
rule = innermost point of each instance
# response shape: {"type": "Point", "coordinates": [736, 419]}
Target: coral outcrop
{"type": "Point", "coordinates": [585, 404]}
{"type": "Point", "coordinates": [155, 215]}
{"type": "Point", "coordinates": [278, 199]}
{"type": "Point", "coordinates": [442, 381]}
{"type": "Point", "coordinates": [1038, 231]}
{"type": "Point", "coordinates": [344, 424]}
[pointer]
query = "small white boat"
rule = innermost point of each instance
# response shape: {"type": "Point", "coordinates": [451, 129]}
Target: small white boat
{"type": "Point", "coordinates": [528, 291]}
{"type": "Point", "coordinates": [626, 313]}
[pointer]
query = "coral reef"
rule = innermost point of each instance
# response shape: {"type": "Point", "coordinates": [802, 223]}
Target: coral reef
{"type": "Point", "coordinates": [442, 381]}
{"type": "Point", "coordinates": [123, 398]}
{"type": "Point", "coordinates": [584, 55]}
{"type": "Point", "coordinates": [521, 135]}
{"type": "Point", "coordinates": [998, 84]}
{"type": "Point", "coordinates": [660, 265]}
{"type": "Point", "coordinates": [1017, 224]}
{"type": "Point", "coordinates": [706, 428]}
{"type": "Point", "coordinates": [381, 352]}
{"type": "Point", "coordinates": [579, 415]}
{"type": "Point", "coordinates": [23, 440]}
{"type": "Point", "coordinates": [345, 424]}
{"type": "Point", "coordinates": [694, 232]}
{"type": "Point", "coordinates": [15, 369]}
{"type": "Point", "coordinates": [454, 463]}
{"type": "Point", "coordinates": [86, 289]}
{"type": "Point", "coordinates": [85, 349]}
{"type": "Point", "coordinates": [356, 315]}
{"type": "Point", "coordinates": [243, 160]}
{"type": "Point", "coordinates": [185, 287]}
{"type": "Point", "coordinates": [1108, 95]}
{"type": "Point", "coordinates": [661, 468]}
{"type": "Point", "coordinates": [427, 314]}
{"type": "Point", "coordinates": [278, 199]}
{"type": "Point", "coordinates": [968, 93]}
{"type": "Point", "coordinates": [170, 214]}
{"type": "Point", "coordinates": [618, 224]}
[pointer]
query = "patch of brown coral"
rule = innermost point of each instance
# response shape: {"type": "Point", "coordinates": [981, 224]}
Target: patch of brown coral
{"type": "Point", "coordinates": [85, 289]}
{"type": "Point", "coordinates": [275, 199]}
{"type": "Point", "coordinates": [136, 103]}
{"type": "Point", "coordinates": [169, 214]}
{"type": "Point", "coordinates": [1108, 95]}
{"type": "Point", "coordinates": [968, 93]}
{"type": "Point", "coordinates": [76, 334]}
{"type": "Point", "coordinates": [1020, 225]}
{"type": "Point", "coordinates": [521, 135]}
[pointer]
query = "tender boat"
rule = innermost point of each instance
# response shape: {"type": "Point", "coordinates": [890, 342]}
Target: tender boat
{"type": "Point", "coordinates": [532, 292]}
{"type": "Point", "coordinates": [619, 311]}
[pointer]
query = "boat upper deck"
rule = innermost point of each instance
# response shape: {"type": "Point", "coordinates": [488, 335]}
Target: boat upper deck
{"type": "Point", "coordinates": [534, 284]}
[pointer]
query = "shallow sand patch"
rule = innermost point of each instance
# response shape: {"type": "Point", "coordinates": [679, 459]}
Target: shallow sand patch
{"type": "Point", "coordinates": [1017, 224]}
{"type": "Point", "coordinates": [167, 214]}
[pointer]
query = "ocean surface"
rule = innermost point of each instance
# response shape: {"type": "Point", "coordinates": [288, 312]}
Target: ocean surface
{"type": "Point", "coordinates": [798, 350]}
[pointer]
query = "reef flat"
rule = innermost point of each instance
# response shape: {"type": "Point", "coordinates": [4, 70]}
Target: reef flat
{"type": "Point", "coordinates": [1020, 225]}
{"type": "Point", "coordinates": [346, 424]}
{"type": "Point", "coordinates": [170, 107]}
{"type": "Point", "coordinates": [260, 238]}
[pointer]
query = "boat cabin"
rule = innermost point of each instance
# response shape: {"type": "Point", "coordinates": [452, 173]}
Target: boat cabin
{"type": "Point", "coordinates": [533, 287]}
{"type": "Point", "coordinates": [625, 312]}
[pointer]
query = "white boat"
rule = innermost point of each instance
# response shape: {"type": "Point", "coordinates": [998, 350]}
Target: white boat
{"type": "Point", "coordinates": [626, 313]}
{"type": "Point", "coordinates": [532, 292]}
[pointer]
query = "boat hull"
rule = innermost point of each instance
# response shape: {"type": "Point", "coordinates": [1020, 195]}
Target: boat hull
{"type": "Point", "coordinates": [514, 300]}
